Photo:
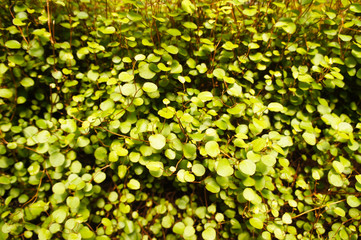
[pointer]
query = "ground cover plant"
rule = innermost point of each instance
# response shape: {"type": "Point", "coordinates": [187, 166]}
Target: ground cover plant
{"type": "Point", "coordinates": [180, 119]}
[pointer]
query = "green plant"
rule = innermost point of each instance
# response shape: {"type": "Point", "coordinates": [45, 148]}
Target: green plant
{"type": "Point", "coordinates": [170, 120]}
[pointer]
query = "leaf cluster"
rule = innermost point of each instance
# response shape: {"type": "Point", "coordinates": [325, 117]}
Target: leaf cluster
{"type": "Point", "coordinates": [180, 119]}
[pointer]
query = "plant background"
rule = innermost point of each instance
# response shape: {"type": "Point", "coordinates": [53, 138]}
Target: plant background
{"type": "Point", "coordinates": [180, 119]}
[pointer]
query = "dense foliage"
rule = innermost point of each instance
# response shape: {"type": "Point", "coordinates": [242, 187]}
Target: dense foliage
{"type": "Point", "coordinates": [180, 120]}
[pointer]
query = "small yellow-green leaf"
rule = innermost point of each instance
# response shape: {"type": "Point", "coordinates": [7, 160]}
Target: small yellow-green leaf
{"type": "Point", "coordinates": [205, 96]}
{"type": "Point", "coordinates": [224, 168]}
{"type": "Point", "coordinates": [259, 144]}
{"type": "Point", "coordinates": [247, 167]}
{"type": "Point", "coordinates": [198, 169]}
{"type": "Point", "coordinates": [145, 72]}
{"type": "Point", "coordinates": [174, 32]}
{"type": "Point", "coordinates": [157, 141]}
{"type": "Point", "coordinates": [256, 222]}
{"type": "Point", "coordinates": [219, 73]}
{"type": "Point", "coordinates": [355, 7]}
{"type": "Point", "coordinates": [133, 184]}
{"type": "Point", "coordinates": [125, 77]}
{"type": "Point", "coordinates": [57, 159]}
{"type": "Point", "coordinates": [209, 234]}
{"type": "Point", "coordinates": [109, 30]}
{"type": "Point", "coordinates": [353, 201]}
{"type": "Point", "coordinates": [190, 25]}
{"type": "Point", "coordinates": [212, 148]}
{"type": "Point", "coordinates": [149, 87]}
{"type": "Point", "coordinates": [5, 93]}
{"type": "Point", "coordinates": [268, 160]}
{"type": "Point", "coordinates": [286, 218]}
{"type": "Point", "coordinates": [310, 138]}
{"type": "Point", "coordinates": [339, 211]}
{"type": "Point", "coordinates": [13, 44]}
{"type": "Point", "coordinates": [99, 177]}
{"type": "Point", "coordinates": [275, 107]}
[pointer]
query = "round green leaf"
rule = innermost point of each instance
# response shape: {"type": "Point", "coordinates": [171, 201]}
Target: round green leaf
{"type": "Point", "coordinates": [13, 44]}
{"type": "Point", "coordinates": [212, 185]}
{"type": "Point", "coordinates": [154, 166]}
{"type": "Point", "coordinates": [189, 151]}
{"type": "Point", "coordinates": [57, 159]}
{"type": "Point", "coordinates": [145, 72]}
{"type": "Point", "coordinates": [268, 160]}
{"type": "Point", "coordinates": [309, 138]}
{"type": "Point", "coordinates": [99, 177]}
{"type": "Point", "coordinates": [59, 215]}
{"type": "Point", "coordinates": [167, 112]}
{"type": "Point", "coordinates": [256, 222]}
{"type": "Point", "coordinates": [209, 234]}
{"type": "Point", "coordinates": [157, 141]}
{"type": "Point", "coordinates": [113, 196]}
{"type": "Point", "coordinates": [174, 32]}
{"type": "Point", "coordinates": [4, 68]}
{"type": "Point", "coordinates": [149, 87]}
{"type": "Point", "coordinates": [286, 218]}
{"type": "Point", "coordinates": [275, 107]}
{"type": "Point", "coordinates": [247, 167]}
{"type": "Point", "coordinates": [167, 221]}
{"type": "Point", "coordinates": [338, 166]}
{"type": "Point", "coordinates": [188, 6]}
{"type": "Point", "coordinates": [170, 154]}
{"type": "Point", "coordinates": [358, 178]}
{"type": "Point", "coordinates": [212, 148]}
{"type": "Point", "coordinates": [250, 12]}
{"type": "Point", "coordinates": [249, 194]}
{"type": "Point", "coordinates": [107, 105]}
{"type": "Point", "coordinates": [229, 46]}
{"type": "Point", "coordinates": [259, 144]}
{"type": "Point", "coordinates": [355, 7]}
{"type": "Point", "coordinates": [125, 77]}
{"type": "Point", "coordinates": [345, 127]}
{"type": "Point", "coordinates": [178, 228]}
{"type": "Point", "coordinates": [353, 201]}
{"type": "Point", "coordinates": [92, 75]}
{"type": "Point", "coordinates": [189, 177]}
{"type": "Point", "coordinates": [83, 141]}
{"type": "Point", "coordinates": [133, 16]}
{"type": "Point", "coordinates": [133, 184]}
{"type": "Point", "coordinates": [5, 93]}
{"type": "Point", "coordinates": [73, 202]}
{"type": "Point", "coordinates": [288, 27]}
{"type": "Point", "coordinates": [59, 188]}
{"type": "Point", "coordinates": [189, 25]}
{"type": "Point", "coordinates": [198, 169]}
{"type": "Point", "coordinates": [172, 50]}
{"type": "Point", "coordinates": [339, 211]}
{"type": "Point", "coordinates": [224, 168]}
{"type": "Point", "coordinates": [86, 233]}
{"type": "Point", "coordinates": [219, 73]}
{"type": "Point", "coordinates": [189, 231]}
{"type": "Point", "coordinates": [128, 89]}
{"type": "Point", "coordinates": [109, 30]}
{"type": "Point", "coordinates": [82, 15]}
{"type": "Point", "coordinates": [205, 96]}
{"type": "Point", "coordinates": [27, 82]}
{"type": "Point", "coordinates": [5, 180]}
{"type": "Point", "coordinates": [335, 179]}
{"type": "Point", "coordinates": [101, 153]}
{"type": "Point", "coordinates": [43, 136]}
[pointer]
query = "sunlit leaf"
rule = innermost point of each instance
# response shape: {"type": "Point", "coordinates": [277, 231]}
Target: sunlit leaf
{"type": "Point", "coordinates": [224, 168]}
{"type": "Point", "coordinates": [157, 141]}
{"type": "Point", "coordinates": [212, 148]}
{"type": "Point", "coordinates": [13, 44]}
